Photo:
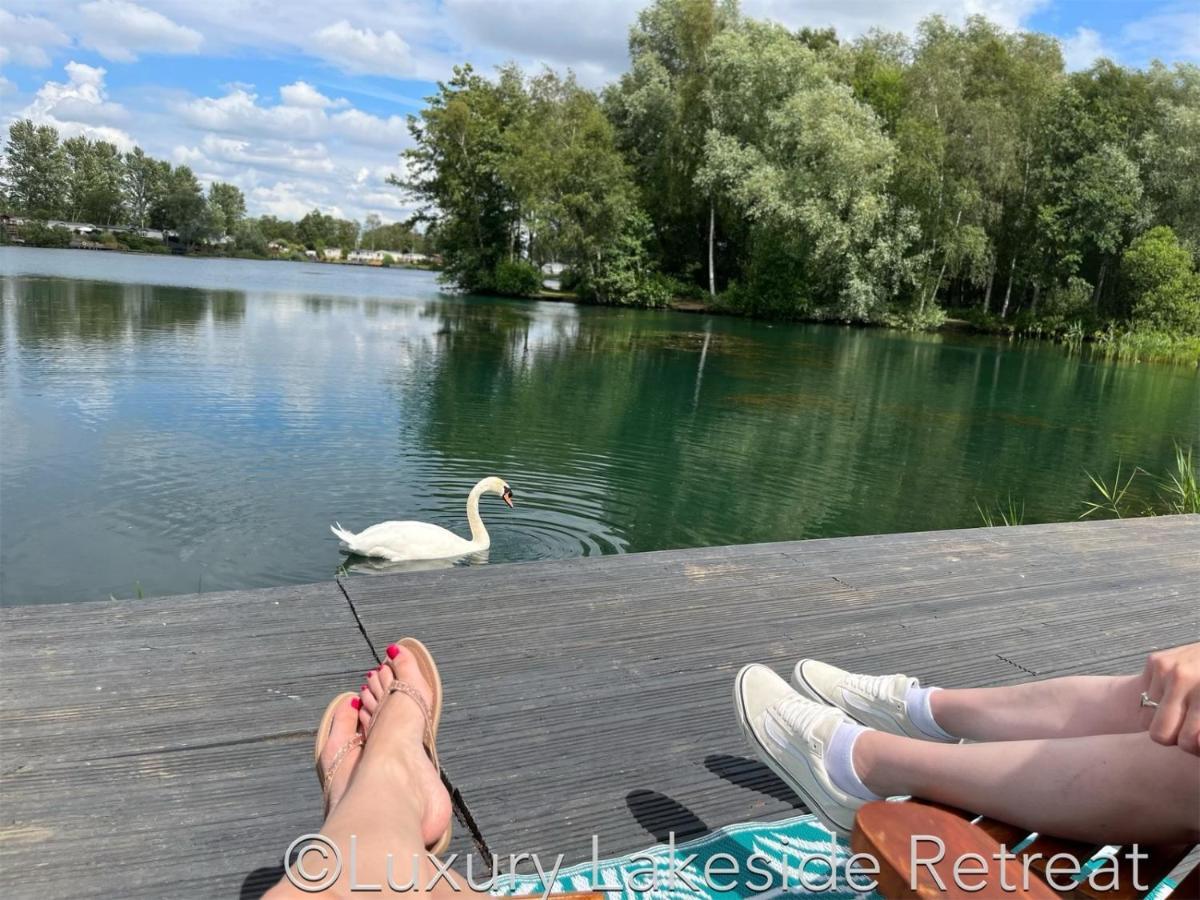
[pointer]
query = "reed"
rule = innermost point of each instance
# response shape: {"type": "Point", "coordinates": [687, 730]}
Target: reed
{"type": "Point", "coordinates": [1008, 511]}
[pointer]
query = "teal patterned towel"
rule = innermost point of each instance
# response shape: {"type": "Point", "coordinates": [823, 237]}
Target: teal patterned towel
{"type": "Point", "coordinates": [793, 852]}
{"type": "Point", "coordinates": [769, 856]}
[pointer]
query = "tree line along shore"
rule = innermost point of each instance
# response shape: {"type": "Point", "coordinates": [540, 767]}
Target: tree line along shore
{"type": "Point", "coordinates": [742, 167]}
{"type": "Point", "coordinates": [887, 180]}
{"type": "Point", "coordinates": [61, 193]}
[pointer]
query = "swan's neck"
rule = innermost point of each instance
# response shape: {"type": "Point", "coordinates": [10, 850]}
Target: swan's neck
{"type": "Point", "coordinates": [479, 534]}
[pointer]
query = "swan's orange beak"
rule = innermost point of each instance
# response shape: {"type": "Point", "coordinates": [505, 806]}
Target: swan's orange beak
{"type": "Point", "coordinates": [507, 497]}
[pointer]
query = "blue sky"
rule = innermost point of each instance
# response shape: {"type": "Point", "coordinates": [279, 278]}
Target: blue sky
{"type": "Point", "coordinates": [302, 103]}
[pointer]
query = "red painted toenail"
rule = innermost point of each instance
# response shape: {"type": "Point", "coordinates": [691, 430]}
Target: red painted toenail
{"type": "Point", "coordinates": [370, 674]}
{"type": "Point", "coordinates": [362, 687]}
{"type": "Point", "coordinates": [393, 651]}
{"type": "Point", "coordinates": [355, 702]}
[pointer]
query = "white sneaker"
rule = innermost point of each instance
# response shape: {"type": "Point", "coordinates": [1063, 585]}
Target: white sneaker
{"type": "Point", "coordinates": [790, 734]}
{"type": "Point", "coordinates": [876, 701]}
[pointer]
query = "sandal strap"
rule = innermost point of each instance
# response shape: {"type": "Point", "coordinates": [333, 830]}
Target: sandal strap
{"type": "Point", "coordinates": [409, 691]}
{"type": "Point", "coordinates": [356, 741]}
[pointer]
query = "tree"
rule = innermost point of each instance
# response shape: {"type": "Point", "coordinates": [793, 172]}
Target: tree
{"type": "Point", "coordinates": [1162, 282]}
{"type": "Point", "coordinates": [274, 229]}
{"type": "Point", "coordinates": [248, 236]}
{"type": "Point", "coordinates": [35, 170]}
{"type": "Point", "coordinates": [807, 166]}
{"type": "Point", "coordinates": [572, 187]}
{"type": "Point", "coordinates": [399, 237]}
{"type": "Point", "coordinates": [182, 207]}
{"type": "Point", "coordinates": [370, 226]}
{"type": "Point", "coordinates": [1170, 151]}
{"type": "Point", "coordinates": [877, 62]}
{"type": "Point", "coordinates": [1099, 209]}
{"type": "Point", "coordinates": [143, 180]}
{"type": "Point", "coordinates": [455, 172]}
{"type": "Point", "coordinates": [93, 181]}
{"type": "Point", "coordinates": [228, 199]}
{"type": "Point", "coordinates": [662, 114]}
{"type": "Point", "coordinates": [975, 101]}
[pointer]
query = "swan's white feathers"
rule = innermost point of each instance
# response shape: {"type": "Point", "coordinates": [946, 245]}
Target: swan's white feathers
{"type": "Point", "coordinates": [403, 541]}
{"type": "Point", "coordinates": [407, 541]}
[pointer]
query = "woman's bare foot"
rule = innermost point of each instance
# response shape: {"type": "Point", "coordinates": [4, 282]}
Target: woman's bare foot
{"type": "Point", "coordinates": [342, 729]}
{"type": "Point", "coordinates": [395, 749]}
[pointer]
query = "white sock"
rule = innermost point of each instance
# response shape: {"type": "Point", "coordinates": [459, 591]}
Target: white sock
{"type": "Point", "coordinates": [839, 762]}
{"type": "Point", "coordinates": [916, 702]}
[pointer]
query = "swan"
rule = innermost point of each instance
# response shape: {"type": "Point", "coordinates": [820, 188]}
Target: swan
{"type": "Point", "coordinates": [405, 541]}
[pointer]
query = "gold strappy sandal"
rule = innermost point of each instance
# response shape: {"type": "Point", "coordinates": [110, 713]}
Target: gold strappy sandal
{"type": "Point", "coordinates": [432, 715]}
{"type": "Point", "coordinates": [325, 777]}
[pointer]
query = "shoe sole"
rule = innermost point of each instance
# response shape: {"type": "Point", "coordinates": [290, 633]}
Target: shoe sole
{"type": "Point", "coordinates": [814, 806]}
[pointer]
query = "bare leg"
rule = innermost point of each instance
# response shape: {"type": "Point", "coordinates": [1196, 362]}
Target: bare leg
{"type": "Point", "coordinates": [1057, 708]}
{"type": "Point", "coordinates": [1112, 788]}
{"type": "Point", "coordinates": [394, 806]}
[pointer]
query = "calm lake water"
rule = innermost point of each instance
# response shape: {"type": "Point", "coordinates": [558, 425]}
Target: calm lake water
{"type": "Point", "coordinates": [173, 425]}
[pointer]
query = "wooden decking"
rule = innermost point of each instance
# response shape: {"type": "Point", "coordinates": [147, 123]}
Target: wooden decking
{"type": "Point", "coordinates": [163, 747]}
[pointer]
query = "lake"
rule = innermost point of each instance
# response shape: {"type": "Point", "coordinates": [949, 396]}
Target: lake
{"type": "Point", "coordinates": [175, 425]}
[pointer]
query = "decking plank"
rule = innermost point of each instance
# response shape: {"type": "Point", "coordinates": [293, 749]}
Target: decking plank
{"type": "Point", "coordinates": [594, 696]}
{"type": "Point", "coordinates": [587, 696]}
{"type": "Point", "coordinates": [163, 748]}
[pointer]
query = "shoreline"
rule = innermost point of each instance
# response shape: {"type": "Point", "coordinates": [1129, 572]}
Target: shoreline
{"type": "Point", "coordinates": [169, 253]}
{"type": "Point", "coordinates": [1111, 346]}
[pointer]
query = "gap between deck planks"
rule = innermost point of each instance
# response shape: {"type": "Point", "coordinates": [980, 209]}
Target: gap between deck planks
{"type": "Point", "coordinates": [162, 747]}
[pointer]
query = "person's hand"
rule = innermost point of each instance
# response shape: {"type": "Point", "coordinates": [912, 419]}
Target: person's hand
{"type": "Point", "coordinates": [1172, 678]}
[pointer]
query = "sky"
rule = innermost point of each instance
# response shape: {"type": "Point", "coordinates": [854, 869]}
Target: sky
{"type": "Point", "coordinates": [302, 103]}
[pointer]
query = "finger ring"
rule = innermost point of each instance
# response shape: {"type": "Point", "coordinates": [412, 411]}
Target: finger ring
{"type": "Point", "coordinates": [1146, 701]}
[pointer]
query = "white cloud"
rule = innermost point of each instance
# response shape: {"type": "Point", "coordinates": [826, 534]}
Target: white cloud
{"type": "Point", "coordinates": [273, 155]}
{"type": "Point", "coordinates": [6, 86]}
{"type": "Point", "coordinates": [238, 112]}
{"type": "Point", "coordinates": [1083, 48]}
{"type": "Point", "coordinates": [1170, 33]}
{"type": "Point", "coordinates": [363, 51]}
{"type": "Point", "coordinates": [363, 128]}
{"type": "Point", "coordinates": [27, 40]}
{"type": "Point", "coordinates": [119, 30]}
{"type": "Point", "coordinates": [591, 38]}
{"type": "Point", "coordinates": [290, 200]}
{"type": "Point", "coordinates": [80, 105]}
{"type": "Point", "coordinates": [852, 18]}
{"type": "Point", "coordinates": [304, 95]}
{"type": "Point", "coordinates": [306, 151]}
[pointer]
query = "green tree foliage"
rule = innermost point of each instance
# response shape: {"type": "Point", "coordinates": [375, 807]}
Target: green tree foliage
{"type": "Point", "coordinates": [34, 170]}
{"type": "Point", "coordinates": [519, 170]}
{"type": "Point", "coordinates": [91, 181]}
{"type": "Point", "coordinates": [806, 165]}
{"type": "Point", "coordinates": [516, 278]}
{"type": "Point", "coordinates": [455, 170]}
{"type": "Point", "coordinates": [228, 206]}
{"type": "Point", "coordinates": [93, 186]}
{"type": "Point", "coordinates": [1162, 283]}
{"type": "Point", "coordinates": [398, 237]}
{"type": "Point", "coordinates": [318, 231]}
{"type": "Point", "coordinates": [662, 111]}
{"type": "Point", "coordinates": [143, 179]}
{"type": "Point", "coordinates": [1170, 151]}
{"type": "Point", "coordinates": [183, 208]}
{"type": "Point", "coordinates": [275, 229]}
